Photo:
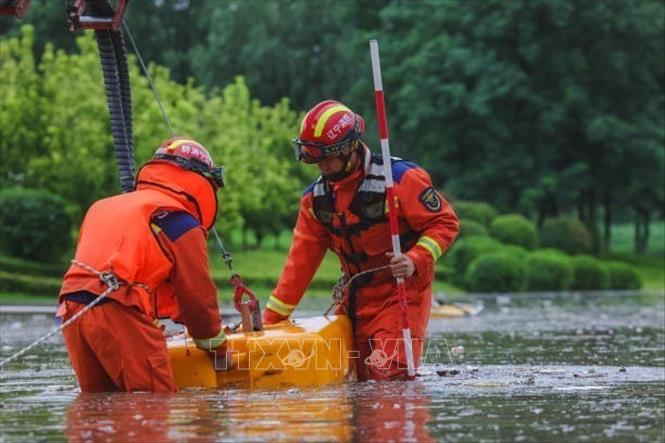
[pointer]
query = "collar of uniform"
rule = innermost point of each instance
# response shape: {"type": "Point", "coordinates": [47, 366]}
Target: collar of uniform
{"type": "Point", "coordinates": [367, 158]}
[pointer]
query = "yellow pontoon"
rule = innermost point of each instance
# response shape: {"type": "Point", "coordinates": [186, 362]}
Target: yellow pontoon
{"type": "Point", "coordinates": [304, 352]}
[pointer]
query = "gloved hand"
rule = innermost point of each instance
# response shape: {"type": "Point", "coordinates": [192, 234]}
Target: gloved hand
{"type": "Point", "coordinates": [218, 352]}
{"type": "Point", "coordinates": [270, 317]}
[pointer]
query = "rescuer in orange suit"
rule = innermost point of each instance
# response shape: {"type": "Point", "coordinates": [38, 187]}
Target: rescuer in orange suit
{"type": "Point", "coordinates": [344, 210]}
{"type": "Point", "coordinates": [153, 242]}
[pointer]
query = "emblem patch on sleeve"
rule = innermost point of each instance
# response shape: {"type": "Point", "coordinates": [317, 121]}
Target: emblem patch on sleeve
{"type": "Point", "coordinates": [431, 200]}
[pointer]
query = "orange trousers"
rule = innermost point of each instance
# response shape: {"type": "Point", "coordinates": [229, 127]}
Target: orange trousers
{"type": "Point", "coordinates": [116, 348]}
{"type": "Point", "coordinates": [378, 331]}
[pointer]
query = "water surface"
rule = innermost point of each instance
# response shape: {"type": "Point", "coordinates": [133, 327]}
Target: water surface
{"type": "Point", "coordinates": [554, 369]}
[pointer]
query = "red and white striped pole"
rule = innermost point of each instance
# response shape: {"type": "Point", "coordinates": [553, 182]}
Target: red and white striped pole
{"type": "Point", "coordinates": [392, 210]}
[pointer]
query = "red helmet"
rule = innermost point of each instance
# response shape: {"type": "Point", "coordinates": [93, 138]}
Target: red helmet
{"type": "Point", "coordinates": [329, 128]}
{"type": "Point", "coordinates": [184, 166]}
{"type": "Point", "coordinates": [192, 156]}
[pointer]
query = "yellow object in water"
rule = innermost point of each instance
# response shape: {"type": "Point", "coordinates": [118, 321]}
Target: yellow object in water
{"type": "Point", "coordinates": [455, 310]}
{"type": "Point", "coordinates": [296, 353]}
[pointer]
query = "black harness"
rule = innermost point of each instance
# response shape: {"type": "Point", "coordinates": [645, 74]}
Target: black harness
{"type": "Point", "coordinates": [368, 204]}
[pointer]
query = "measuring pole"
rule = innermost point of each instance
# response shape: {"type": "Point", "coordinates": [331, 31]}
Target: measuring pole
{"type": "Point", "coordinates": [392, 210]}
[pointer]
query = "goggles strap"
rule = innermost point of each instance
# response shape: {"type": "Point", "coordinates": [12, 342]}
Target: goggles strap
{"type": "Point", "coordinates": [215, 174]}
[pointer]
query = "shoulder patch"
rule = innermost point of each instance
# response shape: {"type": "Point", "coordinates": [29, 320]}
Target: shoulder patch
{"type": "Point", "coordinates": [400, 167]}
{"type": "Point", "coordinates": [174, 224]}
{"type": "Point", "coordinates": [430, 199]}
{"type": "Point", "coordinates": [310, 188]}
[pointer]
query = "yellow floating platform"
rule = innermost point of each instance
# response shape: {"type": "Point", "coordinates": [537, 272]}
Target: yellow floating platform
{"type": "Point", "coordinates": [297, 353]}
{"type": "Point", "coordinates": [456, 310]}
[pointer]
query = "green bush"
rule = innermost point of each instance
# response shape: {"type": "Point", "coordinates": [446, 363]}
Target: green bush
{"type": "Point", "coordinates": [480, 212]}
{"type": "Point", "coordinates": [515, 250]}
{"type": "Point", "coordinates": [622, 276]}
{"type": "Point", "coordinates": [589, 274]}
{"type": "Point", "coordinates": [548, 270]}
{"type": "Point", "coordinates": [472, 227]}
{"type": "Point", "coordinates": [498, 271]}
{"type": "Point", "coordinates": [464, 251]}
{"type": "Point", "coordinates": [567, 234]}
{"type": "Point", "coordinates": [34, 224]}
{"type": "Point", "coordinates": [514, 229]}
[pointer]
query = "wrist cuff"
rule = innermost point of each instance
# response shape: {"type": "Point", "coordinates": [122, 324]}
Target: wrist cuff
{"type": "Point", "coordinates": [208, 344]}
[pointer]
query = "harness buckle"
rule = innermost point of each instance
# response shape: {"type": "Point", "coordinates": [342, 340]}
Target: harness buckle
{"type": "Point", "coordinates": [110, 280]}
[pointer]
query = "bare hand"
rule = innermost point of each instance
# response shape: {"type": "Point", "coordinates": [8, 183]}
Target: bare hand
{"type": "Point", "coordinates": [402, 266]}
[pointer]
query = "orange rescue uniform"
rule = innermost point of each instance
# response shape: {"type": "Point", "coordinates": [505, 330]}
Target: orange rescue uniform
{"type": "Point", "coordinates": [153, 241]}
{"type": "Point", "coordinates": [349, 217]}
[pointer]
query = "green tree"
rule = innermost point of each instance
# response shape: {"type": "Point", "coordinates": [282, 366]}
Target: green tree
{"type": "Point", "coordinates": [545, 107]}
{"type": "Point", "coordinates": [59, 138]}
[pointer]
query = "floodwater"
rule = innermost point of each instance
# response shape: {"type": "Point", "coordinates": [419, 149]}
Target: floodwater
{"type": "Point", "coordinates": [552, 369]}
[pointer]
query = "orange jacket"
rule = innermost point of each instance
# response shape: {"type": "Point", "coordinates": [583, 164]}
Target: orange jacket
{"type": "Point", "coordinates": [168, 275]}
{"type": "Point", "coordinates": [427, 226]}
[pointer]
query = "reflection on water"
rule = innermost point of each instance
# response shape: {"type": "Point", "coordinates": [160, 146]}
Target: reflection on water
{"type": "Point", "coordinates": [388, 412]}
{"type": "Point", "coordinates": [202, 416]}
{"type": "Point", "coordinates": [540, 373]}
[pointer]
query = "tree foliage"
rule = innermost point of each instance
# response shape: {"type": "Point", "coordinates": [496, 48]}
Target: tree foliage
{"type": "Point", "coordinates": [544, 108]}
{"type": "Point", "coordinates": [55, 133]}
{"type": "Point", "coordinates": [34, 224]}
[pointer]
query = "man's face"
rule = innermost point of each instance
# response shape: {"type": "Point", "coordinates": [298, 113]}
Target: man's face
{"type": "Point", "coordinates": [330, 165]}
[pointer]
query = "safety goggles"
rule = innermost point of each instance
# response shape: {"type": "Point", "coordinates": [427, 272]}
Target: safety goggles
{"type": "Point", "coordinates": [215, 175]}
{"type": "Point", "coordinates": [314, 152]}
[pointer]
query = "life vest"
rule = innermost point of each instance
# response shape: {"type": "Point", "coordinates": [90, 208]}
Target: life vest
{"type": "Point", "coordinates": [361, 239]}
{"type": "Point", "coordinates": [116, 236]}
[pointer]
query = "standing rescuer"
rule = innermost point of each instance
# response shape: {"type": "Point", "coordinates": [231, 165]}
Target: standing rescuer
{"type": "Point", "coordinates": [153, 241]}
{"type": "Point", "coordinates": [345, 211]}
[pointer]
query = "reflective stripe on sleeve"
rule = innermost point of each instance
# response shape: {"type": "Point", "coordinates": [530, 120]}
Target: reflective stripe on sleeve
{"type": "Point", "coordinates": [211, 343]}
{"type": "Point", "coordinates": [275, 304]}
{"type": "Point", "coordinates": [431, 246]}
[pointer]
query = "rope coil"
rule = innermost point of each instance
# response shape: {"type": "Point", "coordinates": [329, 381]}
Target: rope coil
{"type": "Point", "coordinates": [343, 283]}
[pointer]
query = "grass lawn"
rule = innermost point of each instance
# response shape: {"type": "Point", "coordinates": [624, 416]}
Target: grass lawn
{"type": "Point", "coordinates": [650, 266]}
{"type": "Point", "coordinates": [623, 236]}
{"type": "Point", "coordinates": [15, 298]}
{"type": "Point", "coordinates": [260, 270]}
{"type": "Point", "coordinates": [267, 264]}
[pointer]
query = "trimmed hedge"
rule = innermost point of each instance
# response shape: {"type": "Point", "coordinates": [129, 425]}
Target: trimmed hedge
{"type": "Point", "coordinates": [567, 234]}
{"type": "Point", "coordinates": [622, 276]}
{"type": "Point", "coordinates": [34, 224]}
{"type": "Point", "coordinates": [548, 270]}
{"type": "Point", "coordinates": [480, 212]}
{"type": "Point", "coordinates": [589, 274]}
{"type": "Point", "coordinates": [29, 284]}
{"type": "Point", "coordinates": [515, 229]}
{"type": "Point", "coordinates": [472, 227]}
{"type": "Point", "coordinates": [515, 250]}
{"type": "Point", "coordinates": [464, 251]}
{"type": "Point", "coordinates": [498, 271]}
{"type": "Point", "coordinates": [21, 266]}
